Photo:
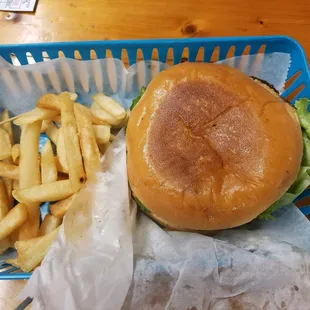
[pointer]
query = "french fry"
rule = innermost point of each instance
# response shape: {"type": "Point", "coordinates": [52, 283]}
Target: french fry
{"type": "Point", "coordinates": [49, 101]}
{"type": "Point", "coordinates": [59, 167]}
{"type": "Point", "coordinates": [103, 115]}
{"type": "Point", "coordinates": [49, 223]}
{"type": "Point", "coordinates": [45, 192]}
{"type": "Point", "coordinates": [123, 122]}
{"type": "Point", "coordinates": [61, 150]}
{"type": "Point", "coordinates": [37, 114]}
{"type": "Point", "coordinates": [4, 201]}
{"type": "Point", "coordinates": [73, 96]}
{"type": "Point", "coordinates": [15, 152]}
{"type": "Point", "coordinates": [45, 124]}
{"type": "Point", "coordinates": [7, 126]}
{"type": "Point", "coordinates": [103, 147]}
{"type": "Point", "coordinates": [8, 183]}
{"type": "Point", "coordinates": [62, 176]}
{"type": "Point", "coordinates": [15, 184]}
{"type": "Point", "coordinates": [30, 228]}
{"type": "Point", "coordinates": [29, 168]}
{"type": "Point", "coordinates": [31, 252]}
{"type": "Point", "coordinates": [95, 120]}
{"type": "Point", "coordinates": [13, 220]}
{"type": "Point", "coordinates": [60, 208]}
{"type": "Point", "coordinates": [48, 165]}
{"type": "Point", "coordinates": [72, 147]}
{"type": "Point", "coordinates": [9, 171]}
{"type": "Point", "coordinates": [87, 138]}
{"type": "Point", "coordinates": [52, 132]}
{"type": "Point", "coordinates": [110, 105]}
{"type": "Point", "coordinates": [5, 144]}
{"type": "Point", "coordinates": [57, 119]}
{"type": "Point", "coordinates": [102, 133]}
{"type": "Point", "coordinates": [112, 137]}
{"type": "Point", "coordinates": [53, 102]}
{"type": "Point", "coordinates": [12, 261]}
{"type": "Point", "coordinates": [29, 175]}
{"type": "Point", "coordinates": [4, 244]}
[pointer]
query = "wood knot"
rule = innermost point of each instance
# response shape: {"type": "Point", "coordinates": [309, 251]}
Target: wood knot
{"type": "Point", "coordinates": [14, 17]}
{"type": "Point", "coordinates": [189, 29]}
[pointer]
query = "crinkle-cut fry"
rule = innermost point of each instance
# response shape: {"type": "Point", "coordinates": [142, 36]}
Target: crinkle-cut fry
{"type": "Point", "coordinates": [49, 223]}
{"type": "Point", "coordinates": [4, 201]}
{"type": "Point", "coordinates": [72, 146]}
{"type": "Point", "coordinates": [49, 101]}
{"type": "Point", "coordinates": [48, 165]}
{"type": "Point", "coordinates": [102, 133]}
{"type": "Point", "coordinates": [31, 252]}
{"type": "Point", "coordinates": [37, 114]}
{"type": "Point", "coordinates": [52, 132]}
{"type": "Point", "coordinates": [5, 145]}
{"type": "Point", "coordinates": [110, 105]}
{"type": "Point", "coordinates": [45, 192]}
{"type": "Point", "coordinates": [9, 171]}
{"type": "Point", "coordinates": [103, 115]}
{"type": "Point", "coordinates": [15, 152]}
{"type": "Point", "coordinates": [87, 139]}
{"type": "Point", "coordinates": [7, 126]}
{"type": "Point", "coordinates": [13, 220]}
{"type": "Point", "coordinates": [45, 124]}
{"type": "Point", "coordinates": [61, 207]}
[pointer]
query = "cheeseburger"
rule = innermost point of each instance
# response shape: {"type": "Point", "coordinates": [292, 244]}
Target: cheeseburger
{"type": "Point", "coordinates": [210, 148]}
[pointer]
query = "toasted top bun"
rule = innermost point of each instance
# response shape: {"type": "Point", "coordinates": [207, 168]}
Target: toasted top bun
{"type": "Point", "coordinates": [209, 148]}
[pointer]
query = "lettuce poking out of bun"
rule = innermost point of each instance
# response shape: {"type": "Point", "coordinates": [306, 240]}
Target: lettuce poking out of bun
{"type": "Point", "coordinates": [303, 178]}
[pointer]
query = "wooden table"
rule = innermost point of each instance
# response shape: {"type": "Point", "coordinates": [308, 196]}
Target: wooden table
{"type": "Point", "coordinates": [59, 20]}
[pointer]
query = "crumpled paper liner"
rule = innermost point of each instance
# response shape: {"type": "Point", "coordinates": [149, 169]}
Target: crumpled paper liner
{"type": "Point", "coordinates": [99, 248]}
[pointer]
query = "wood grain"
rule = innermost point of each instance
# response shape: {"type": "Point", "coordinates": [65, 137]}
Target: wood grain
{"type": "Point", "coordinates": [58, 20]}
{"type": "Point", "coordinates": [9, 290]}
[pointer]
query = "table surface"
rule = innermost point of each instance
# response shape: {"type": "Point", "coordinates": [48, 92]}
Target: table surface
{"type": "Point", "coordinates": [58, 20]}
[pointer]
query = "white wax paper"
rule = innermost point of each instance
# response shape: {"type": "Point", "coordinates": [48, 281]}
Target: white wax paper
{"type": "Point", "coordinates": [263, 265]}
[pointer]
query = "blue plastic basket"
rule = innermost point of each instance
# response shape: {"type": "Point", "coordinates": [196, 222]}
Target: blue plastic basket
{"type": "Point", "coordinates": [172, 51]}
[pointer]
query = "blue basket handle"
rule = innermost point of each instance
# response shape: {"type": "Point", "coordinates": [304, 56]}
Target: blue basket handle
{"type": "Point", "coordinates": [305, 210]}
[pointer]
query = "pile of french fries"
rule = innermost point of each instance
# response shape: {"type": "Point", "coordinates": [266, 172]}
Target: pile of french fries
{"type": "Point", "coordinates": [80, 135]}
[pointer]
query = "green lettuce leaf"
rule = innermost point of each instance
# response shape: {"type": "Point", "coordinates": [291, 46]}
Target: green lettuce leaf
{"type": "Point", "coordinates": [136, 100]}
{"type": "Point", "coordinates": [303, 177]}
{"type": "Point", "coordinates": [141, 205]}
{"type": "Point", "coordinates": [303, 114]}
{"type": "Point", "coordinates": [306, 154]}
{"type": "Point", "coordinates": [301, 183]}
